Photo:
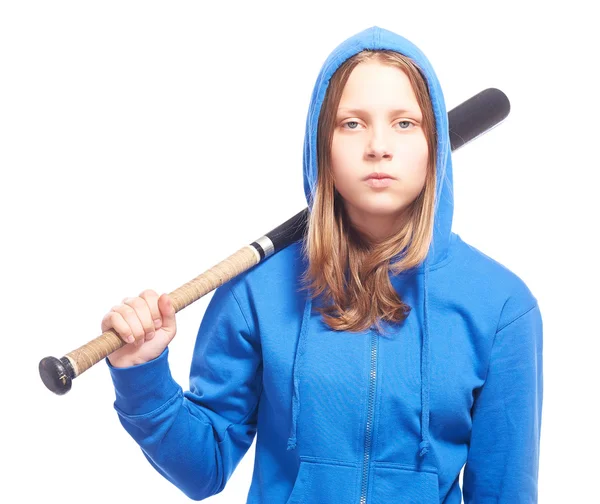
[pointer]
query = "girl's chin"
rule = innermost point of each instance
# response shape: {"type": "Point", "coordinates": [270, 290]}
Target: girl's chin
{"type": "Point", "coordinates": [376, 211]}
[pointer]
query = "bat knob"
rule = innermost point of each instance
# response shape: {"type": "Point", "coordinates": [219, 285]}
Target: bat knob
{"type": "Point", "coordinates": [57, 374]}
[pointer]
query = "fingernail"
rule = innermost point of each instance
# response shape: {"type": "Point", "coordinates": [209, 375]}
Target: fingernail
{"type": "Point", "coordinates": [157, 323]}
{"type": "Point", "coordinates": [130, 338]}
{"type": "Point", "coordinates": [149, 336]}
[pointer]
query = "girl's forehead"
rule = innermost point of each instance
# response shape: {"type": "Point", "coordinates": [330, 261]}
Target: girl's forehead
{"type": "Point", "coordinates": [388, 89]}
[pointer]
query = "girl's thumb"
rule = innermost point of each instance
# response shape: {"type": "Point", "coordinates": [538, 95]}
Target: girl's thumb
{"type": "Point", "coordinates": [167, 312]}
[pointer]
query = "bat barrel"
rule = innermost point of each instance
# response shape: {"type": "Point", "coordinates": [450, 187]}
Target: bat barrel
{"type": "Point", "coordinates": [476, 116]}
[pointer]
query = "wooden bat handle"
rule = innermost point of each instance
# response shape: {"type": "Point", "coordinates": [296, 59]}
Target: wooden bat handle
{"type": "Point", "coordinates": [58, 374]}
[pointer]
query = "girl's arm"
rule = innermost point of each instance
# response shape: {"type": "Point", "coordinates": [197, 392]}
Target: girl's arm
{"type": "Point", "coordinates": [195, 439]}
{"type": "Point", "coordinates": [502, 465]}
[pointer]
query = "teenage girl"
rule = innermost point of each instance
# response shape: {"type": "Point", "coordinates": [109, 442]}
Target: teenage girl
{"type": "Point", "coordinates": [377, 356]}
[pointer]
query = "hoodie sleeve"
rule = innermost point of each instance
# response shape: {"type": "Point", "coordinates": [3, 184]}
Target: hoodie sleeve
{"type": "Point", "coordinates": [502, 464]}
{"type": "Point", "coordinates": [195, 439]}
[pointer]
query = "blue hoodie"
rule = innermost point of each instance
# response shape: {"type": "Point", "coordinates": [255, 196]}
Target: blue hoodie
{"type": "Point", "coordinates": [355, 417]}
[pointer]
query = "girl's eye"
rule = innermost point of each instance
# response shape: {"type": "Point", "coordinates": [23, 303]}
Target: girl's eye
{"type": "Point", "coordinates": [355, 124]}
{"type": "Point", "coordinates": [351, 124]}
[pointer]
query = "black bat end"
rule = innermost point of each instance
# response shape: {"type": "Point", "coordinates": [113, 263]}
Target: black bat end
{"type": "Point", "coordinates": [57, 374]}
{"type": "Point", "coordinates": [477, 115]}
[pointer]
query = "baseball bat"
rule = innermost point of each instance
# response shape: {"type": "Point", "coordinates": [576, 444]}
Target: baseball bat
{"type": "Point", "coordinates": [470, 119]}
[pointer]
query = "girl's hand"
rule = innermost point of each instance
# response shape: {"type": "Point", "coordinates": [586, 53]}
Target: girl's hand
{"type": "Point", "coordinates": [146, 323]}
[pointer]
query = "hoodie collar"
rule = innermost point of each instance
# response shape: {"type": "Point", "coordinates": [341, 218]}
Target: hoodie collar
{"type": "Point", "coordinates": [379, 38]}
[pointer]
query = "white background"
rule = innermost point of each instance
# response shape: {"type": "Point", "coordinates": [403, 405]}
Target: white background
{"type": "Point", "coordinates": [143, 142]}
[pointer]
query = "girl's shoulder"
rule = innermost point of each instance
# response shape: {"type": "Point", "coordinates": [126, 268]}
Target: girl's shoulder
{"type": "Point", "coordinates": [490, 277]}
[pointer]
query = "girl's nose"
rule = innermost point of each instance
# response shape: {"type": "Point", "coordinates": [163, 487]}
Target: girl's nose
{"type": "Point", "coordinates": [378, 152]}
{"type": "Point", "coordinates": [377, 147]}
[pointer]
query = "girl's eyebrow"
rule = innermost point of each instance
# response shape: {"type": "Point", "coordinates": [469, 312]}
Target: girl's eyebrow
{"type": "Point", "coordinates": [358, 111]}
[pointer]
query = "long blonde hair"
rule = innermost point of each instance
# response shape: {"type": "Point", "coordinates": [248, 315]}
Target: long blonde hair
{"type": "Point", "coordinates": [350, 272]}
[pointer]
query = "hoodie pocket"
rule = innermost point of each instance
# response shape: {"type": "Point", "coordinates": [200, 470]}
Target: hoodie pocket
{"type": "Point", "coordinates": [324, 482]}
{"type": "Point", "coordinates": [395, 483]}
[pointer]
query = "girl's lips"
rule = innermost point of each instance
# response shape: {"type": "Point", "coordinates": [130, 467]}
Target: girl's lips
{"type": "Point", "coordinates": [379, 182]}
{"type": "Point", "coordinates": [378, 175]}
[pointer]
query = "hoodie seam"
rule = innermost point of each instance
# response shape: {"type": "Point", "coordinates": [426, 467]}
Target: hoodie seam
{"type": "Point", "coordinates": [328, 461]}
{"type": "Point", "coordinates": [498, 331]}
{"type": "Point", "coordinates": [237, 301]}
{"type": "Point", "coordinates": [515, 319]}
{"type": "Point", "coordinates": [404, 467]}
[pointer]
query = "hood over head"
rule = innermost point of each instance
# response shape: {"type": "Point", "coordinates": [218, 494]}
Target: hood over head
{"type": "Point", "coordinates": [375, 38]}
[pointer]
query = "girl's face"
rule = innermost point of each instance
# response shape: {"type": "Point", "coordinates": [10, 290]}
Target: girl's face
{"type": "Point", "coordinates": [378, 130]}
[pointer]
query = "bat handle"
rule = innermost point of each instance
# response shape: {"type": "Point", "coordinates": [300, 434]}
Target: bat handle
{"type": "Point", "coordinates": [58, 374]}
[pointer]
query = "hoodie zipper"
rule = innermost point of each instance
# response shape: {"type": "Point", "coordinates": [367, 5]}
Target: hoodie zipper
{"type": "Point", "coordinates": [369, 427]}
